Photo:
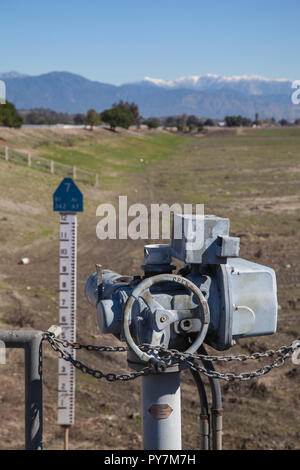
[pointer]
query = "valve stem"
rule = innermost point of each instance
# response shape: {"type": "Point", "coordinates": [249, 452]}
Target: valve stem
{"type": "Point", "coordinates": [99, 281]}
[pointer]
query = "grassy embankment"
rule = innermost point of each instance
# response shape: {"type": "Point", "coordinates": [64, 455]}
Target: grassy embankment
{"type": "Point", "coordinates": [251, 176]}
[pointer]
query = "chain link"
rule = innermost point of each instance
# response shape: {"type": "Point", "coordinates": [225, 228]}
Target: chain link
{"type": "Point", "coordinates": [61, 347]}
{"type": "Point", "coordinates": [171, 357]}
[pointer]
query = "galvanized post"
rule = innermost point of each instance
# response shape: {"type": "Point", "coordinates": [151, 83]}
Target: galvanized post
{"type": "Point", "coordinates": [74, 172]}
{"type": "Point", "coordinates": [161, 408]}
{"type": "Point", "coordinates": [97, 180]}
{"type": "Point", "coordinates": [33, 394]}
{"type": "Point", "coordinates": [31, 342]}
{"type": "Point", "coordinates": [29, 159]}
{"type": "Point", "coordinates": [52, 166]}
{"type": "Point", "coordinates": [6, 153]}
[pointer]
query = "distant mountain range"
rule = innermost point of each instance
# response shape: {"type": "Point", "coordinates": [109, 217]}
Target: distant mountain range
{"type": "Point", "coordinates": [207, 95]}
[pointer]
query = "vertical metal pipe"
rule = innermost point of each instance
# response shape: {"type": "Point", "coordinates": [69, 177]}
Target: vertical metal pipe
{"type": "Point", "coordinates": [161, 411]}
{"type": "Point", "coordinates": [33, 394]}
{"type": "Point", "coordinates": [204, 432]}
{"type": "Point", "coordinates": [99, 281]}
{"type": "Point", "coordinates": [204, 414]}
{"type": "Point", "coordinates": [216, 410]}
{"type": "Point", "coordinates": [217, 425]}
{"type": "Point", "coordinates": [31, 342]}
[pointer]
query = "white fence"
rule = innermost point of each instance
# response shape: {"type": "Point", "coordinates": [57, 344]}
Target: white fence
{"type": "Point", "coordinates": [40, 163]}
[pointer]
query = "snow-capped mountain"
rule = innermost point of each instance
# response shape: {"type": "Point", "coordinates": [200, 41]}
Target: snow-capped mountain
{"type": "Point", "coordinates": [252, 85]}
{"type": "Point", "coordinates": [207, 95]}
{"type": "Point", "coordinates": [13, 74]}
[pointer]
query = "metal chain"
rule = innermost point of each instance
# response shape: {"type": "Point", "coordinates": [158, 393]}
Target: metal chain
{"type": "Point", "coordinates": [283, 353]}
{"type": "Point", "coordinates": [229, 377]}
{"type": "Point", "coordinates": [228, 358]}
{"type": "Point", "coordinates": [61, 345]}
{"type": "Point", "coordinates": [171, 357]}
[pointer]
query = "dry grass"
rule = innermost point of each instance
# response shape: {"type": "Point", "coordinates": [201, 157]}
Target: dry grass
{"type": "Point", "coordinates": [251, 177]}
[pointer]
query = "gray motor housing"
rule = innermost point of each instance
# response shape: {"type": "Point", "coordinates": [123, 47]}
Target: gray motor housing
{"type": "Point", "coordinates": [242, 296]}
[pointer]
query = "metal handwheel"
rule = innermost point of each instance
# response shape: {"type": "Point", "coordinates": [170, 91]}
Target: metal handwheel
{"type": "Point", "coordinates": [164, 317]}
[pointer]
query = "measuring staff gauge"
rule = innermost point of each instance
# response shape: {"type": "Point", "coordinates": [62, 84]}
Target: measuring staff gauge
{"type": "Point", "coordinates": [67, 200]}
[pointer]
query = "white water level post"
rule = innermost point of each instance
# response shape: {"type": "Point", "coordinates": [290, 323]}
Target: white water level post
{"type": "Point", "coordinates": [67, 200]}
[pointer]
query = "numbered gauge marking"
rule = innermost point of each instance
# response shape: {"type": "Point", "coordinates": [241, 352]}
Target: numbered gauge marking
{"type": "Point", "coordinates": [67, 312]}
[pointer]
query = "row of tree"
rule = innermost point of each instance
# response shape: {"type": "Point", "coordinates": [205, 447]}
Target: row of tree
{"type": "Point", "coordinates": [41, 116]}
{"type": "Point", "coordinates": [124, 114]}
{"type": "Point", "coordinates": [238, 121]}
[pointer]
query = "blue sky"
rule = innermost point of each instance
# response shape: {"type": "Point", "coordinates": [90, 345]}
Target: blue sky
{"type": "Point", "coordinates": [125, 40]}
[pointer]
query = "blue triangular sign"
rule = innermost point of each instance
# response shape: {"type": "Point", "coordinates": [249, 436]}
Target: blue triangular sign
{"type": "Point", "coordinates": [67, 197]}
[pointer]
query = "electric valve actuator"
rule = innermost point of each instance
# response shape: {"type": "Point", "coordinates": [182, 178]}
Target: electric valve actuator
{"type": "Point", "coordinates": [214, 298]}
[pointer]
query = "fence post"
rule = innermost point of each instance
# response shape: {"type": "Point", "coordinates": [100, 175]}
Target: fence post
{"type": "Point", "coordinates": [52, 166]}
{"type": "Point", "coordinates": [97, 180]}
{"type": "Point", "coordinates": [6, 153]}
{"type": "Point", "coordinates": [29, 159]}
{"type": "Point", "coordinates": [74, 172]}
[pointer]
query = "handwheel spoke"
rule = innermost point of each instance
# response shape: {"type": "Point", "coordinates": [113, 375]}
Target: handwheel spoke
{"type": "Point", "coordinates": [149, 300]}
{"type": "Point", "coordinates": [179, 314]}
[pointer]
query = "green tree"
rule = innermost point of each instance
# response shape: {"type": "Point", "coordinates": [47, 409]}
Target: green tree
{"type": "Point", "coordinates": [233, 121]}
{"type": "Point", "coordinates": [237, 121]}
{"type": "Point", "coordinates": [209, 122]}
{"type": "Point", "coordinates": [79, 119]}
{"type": "Point", "coordinates": [35, 118]}
{"type": "Point", "coordinates": [192, 127]}
{"type": "Point", "coordinates": [152, 123]}
{"type": "Point", "coordinates": [181, 123]}
{"type": "Point", "coordinates": [192, 120]}
{"type": "Point", "coordinates": [117, 116]}
{"type": "Point", "coordinates": [284, 122]}
{"type": "Point", "coordinates": [46, 116]}
{"type": "Point", "coordinates": [132, 108]}
{"type": "Point", "coordinates": [9, 116]}
{"type": "Point", "coordinates": [170, 121]}
{"type": "Point", "coordinates": [92, 119]}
